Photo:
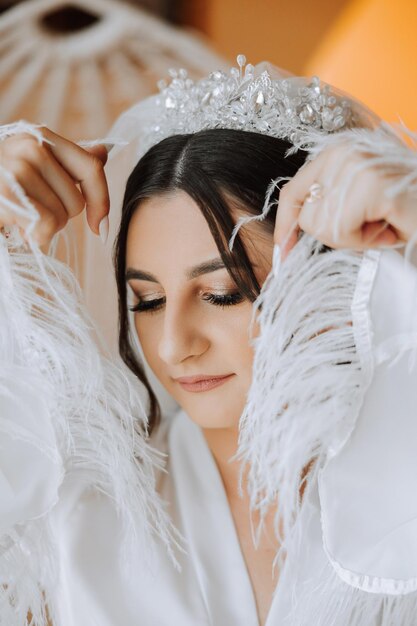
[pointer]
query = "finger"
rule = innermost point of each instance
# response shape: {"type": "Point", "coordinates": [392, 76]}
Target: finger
{"type": "Point", "coordinates": [30, 154]}
{"type": "Point", "coordinates": [12, 209]}
{"type": "Point", "coordinates": [379, 233]}
{"type": "Point", "coordinates": [286, 223]}
{"type": "Point", "coordinates": [291, 199]}
{"type": "Point", "coordinates": [358, 208]}
{"type": "Point", "coordinates": [99, 151]}
{"type": "Point", "coordinates": [85, 167]}
{"type": "Point", "coordinates": [400, 214]}
{"type": "Point", "coordinates": [59, 181]}
{"type": "Point", "coordinates": [320, 216]}
{"type": "Point", "coordinates": [315, 218]}
{"type": "Point", "coordinates": [45, 228]}
{"type": "Point", "coordinates": [29, 178]}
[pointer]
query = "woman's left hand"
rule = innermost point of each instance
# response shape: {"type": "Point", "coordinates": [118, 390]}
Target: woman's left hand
{"type": "Point", "coordinates": [366, 218]}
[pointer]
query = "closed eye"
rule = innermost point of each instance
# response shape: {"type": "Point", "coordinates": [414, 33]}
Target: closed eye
{"type": "Point", "coordinates": [151, 306]}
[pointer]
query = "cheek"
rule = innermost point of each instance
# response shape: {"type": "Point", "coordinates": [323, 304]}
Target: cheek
{"type": "Point", "coordinates": [147, 332]}
{"type": "Point", "coordinates": [239, 336]}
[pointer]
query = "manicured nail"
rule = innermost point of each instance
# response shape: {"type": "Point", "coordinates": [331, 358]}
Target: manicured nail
{"type": "Point", "coordinates": [276, 259]}
{"type": "Point", "coordinates": [108, 146]}
{"type": "Point", "coordinates": [103, 229]}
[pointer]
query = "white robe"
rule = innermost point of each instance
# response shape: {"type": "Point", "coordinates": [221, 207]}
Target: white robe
{"type": "Point", "coordinates": [214, 585]}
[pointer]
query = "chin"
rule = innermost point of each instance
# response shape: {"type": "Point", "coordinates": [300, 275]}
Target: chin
{"type": "Point", "coordinates": [211, 410]}
{"type": "Point", "coordinates": [212, 419]}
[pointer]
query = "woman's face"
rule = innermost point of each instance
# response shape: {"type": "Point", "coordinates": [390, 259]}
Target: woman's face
{"type": "Point", "coordinates": [187, 334]}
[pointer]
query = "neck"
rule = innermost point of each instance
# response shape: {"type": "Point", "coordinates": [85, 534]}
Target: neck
{"type": "Point", "coordinates": [223, 443]}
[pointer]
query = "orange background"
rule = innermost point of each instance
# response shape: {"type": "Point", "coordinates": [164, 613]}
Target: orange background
{"type": "Point", "coordinates": [366, 47]}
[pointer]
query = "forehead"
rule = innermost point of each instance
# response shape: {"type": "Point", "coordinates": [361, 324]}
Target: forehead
{"type": "Point", "coordinates": [171, 228]}
{"type": "Point", "coordinates": [168, 223]}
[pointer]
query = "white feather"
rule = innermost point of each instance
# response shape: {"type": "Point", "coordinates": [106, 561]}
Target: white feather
{"type": "Point", "coordinates": [91, 405]}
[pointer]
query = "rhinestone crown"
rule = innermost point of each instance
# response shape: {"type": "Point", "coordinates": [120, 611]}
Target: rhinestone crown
{"type": "Point", "coordinates": [284, 107]}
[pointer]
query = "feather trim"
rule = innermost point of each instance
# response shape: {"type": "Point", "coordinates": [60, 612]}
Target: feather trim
{"type": "Point", "coordinates": [307, 377]}
{"type": "Point", "coordinates": [313, 364]}
{"type": "Point", "coordinates": [80, 416]}
{"type": "Point", "coordinates": [294, 374]}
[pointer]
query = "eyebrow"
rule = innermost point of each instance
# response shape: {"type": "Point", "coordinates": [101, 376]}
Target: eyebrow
{"type": "Point", "coordinates": [192, 272]}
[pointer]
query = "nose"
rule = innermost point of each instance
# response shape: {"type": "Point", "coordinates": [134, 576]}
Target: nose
{"type": "Point", "coordinates": [182, 336]}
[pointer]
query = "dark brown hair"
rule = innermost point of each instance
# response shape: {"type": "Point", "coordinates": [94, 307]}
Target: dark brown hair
{"type": "Point", "coordinates": [219, 169]}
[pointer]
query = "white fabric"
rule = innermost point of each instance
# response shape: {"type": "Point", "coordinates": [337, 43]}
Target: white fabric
{"type": "Point", "coordinates": [213, 587]}
{"type": "Point", "coordinates": [367, 489]}
{"type": "Point", "coordinates": [27, 436]}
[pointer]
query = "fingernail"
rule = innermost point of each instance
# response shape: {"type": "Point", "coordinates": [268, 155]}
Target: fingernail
{"type": "Point", "coordinates": [108, 146]}
{"type": "Point", "coordinates": [103, 229]}
{"type": "Point", "coordinates": [276, 259]}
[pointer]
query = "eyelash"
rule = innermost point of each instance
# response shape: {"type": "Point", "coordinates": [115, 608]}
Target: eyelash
{"type": "Point", "coordinates": [151, 306]}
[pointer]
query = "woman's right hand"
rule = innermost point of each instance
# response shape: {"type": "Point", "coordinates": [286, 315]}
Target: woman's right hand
{"type": "Point", "coordinates": [60, 180]}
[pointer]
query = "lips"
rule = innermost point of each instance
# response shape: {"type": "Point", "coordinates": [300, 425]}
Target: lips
{"type": "Point", "coordinates": [200, 377]}
{"type": "Point", "coordinates": [203, 384]}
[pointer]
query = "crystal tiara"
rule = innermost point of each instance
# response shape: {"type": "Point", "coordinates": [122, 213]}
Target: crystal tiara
{"type": "Point", "coordinates": [284, 107]}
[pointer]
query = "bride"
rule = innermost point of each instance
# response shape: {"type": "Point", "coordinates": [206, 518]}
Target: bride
{"type": "Point", "coordinates": [288, 363]}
